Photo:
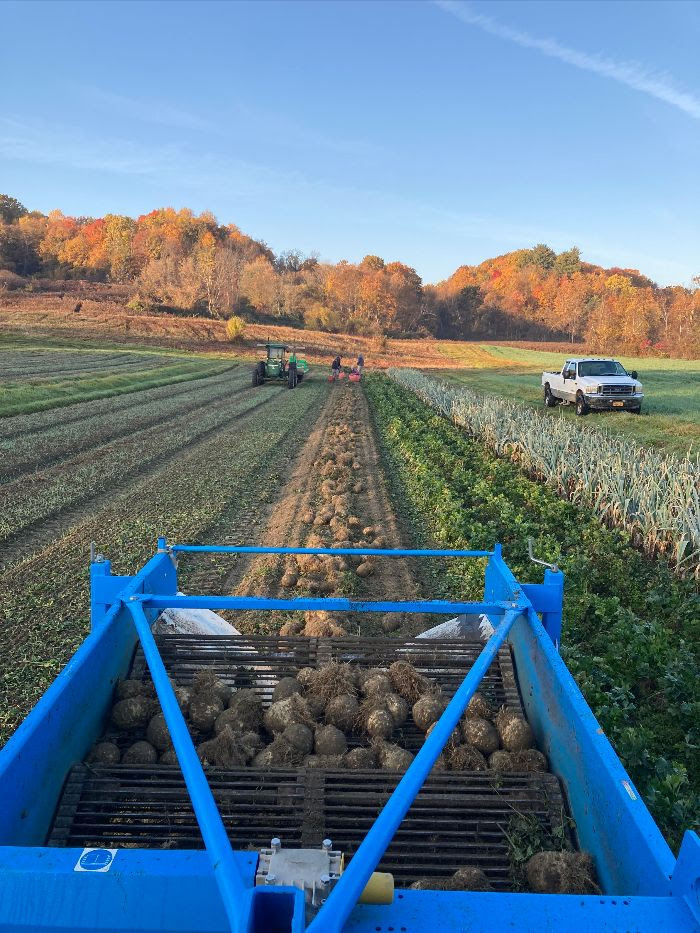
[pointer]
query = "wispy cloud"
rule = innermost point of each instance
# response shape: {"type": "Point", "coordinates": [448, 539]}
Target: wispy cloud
{"type": "Point", "coordinates": [144, 110]}
{"type": "Point", "coordinates": [168, 165]}
{"type": "Point", "coordinates": [237, 120]}
{"type": "Point", "coordinates": [631, 74]}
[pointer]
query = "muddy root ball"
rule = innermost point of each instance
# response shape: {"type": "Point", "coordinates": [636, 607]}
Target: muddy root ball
{"type": "Point", "coordinates": [465, 758]}
{"type": "Point", "coordinates": [329, 740]}
{"type": "Point", "coordinates": [469, 878]}
{"type": "Point", "coordinates": [323, 629]}
{"type": "Point", "coordinates": [133, 713]}
{"type": "Point", "coordinates": [306, 677]}
{"type": "Point", "coordinates": [408, 683]}
{"type": "Point", "coordinates": [516, 734]}
{"type": "Point", "coordinates": [285, 712]}
{"type": "Point", "coordinates": [561, 873]}
{"type": "Point", "coordinates": [157, 733]}
{"type": "Point", "coordinates": [397, 706]}
{"type": "Point", "coordinates": [140, 753]}
{"type": "Point", "coordinates": [326, 762]}
{"type": "Point", "coordinates": [169, 757]}
{"type": "Point", "coordinates": [229, 749]}
{"type": "Point", "coordinates": [528, 760]}
{"type": "Point", "coordinates": [289, 580]}
{"type": "Point", "coordinates": [366, 569]}
{"type": "Point", "coordinates": [378, 685]}
{"type": "Point", "coordinates": [392, 621]}
{"type": "Point", "coordinates": [126, 689]}
{"type": "Point", "coordinates": [333, 680]}
{"type": "Point", "coordinates": [361, 759]}
{"type": "Point", "coordinates": [205, 708]}
{"type": "Point", "coordinates": [341, 711]}
{"type": "Point", "coordinates": [391, 757]}
{"type": "Point", "coordinates": [454, 740]}
{"type": "Point", "coordinates": [292, 627]}
{"type": "Point", "coordinates": [299, 737]}
{"type": "Point", "coordinates": [246, 711]}
{"type": "Point", "coordinates": [105, 753]}
{"type": "Point", "coordinates": [206, 681]}
{"type": "Point", "coordinates": [481, 734]}
{"type": "Point", "coordinates": [285, 688]}
{"type": "Point", "coordinates": [426, 711]}
{"type": "Point", "coordinates": [379, 723]}
{"type": "Point", "coordinates": [317, 706]}
{"type": "Point", "coordinates": [183, 697]}
{"type": "Point", "coordinates": [479, 707]}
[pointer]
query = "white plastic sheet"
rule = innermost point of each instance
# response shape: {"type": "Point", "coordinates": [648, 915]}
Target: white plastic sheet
{"type": "Point", "coordinates": [192, 622]}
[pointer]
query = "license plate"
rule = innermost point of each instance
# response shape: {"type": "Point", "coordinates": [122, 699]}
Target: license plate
{"type": "Point", "coordinates": [618, 404]}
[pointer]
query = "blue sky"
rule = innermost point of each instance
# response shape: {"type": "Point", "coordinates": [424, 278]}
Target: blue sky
{"type": "Point", "coordinates": [434, 133]}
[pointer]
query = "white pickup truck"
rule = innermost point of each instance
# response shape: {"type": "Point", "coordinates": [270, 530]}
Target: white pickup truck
{"type": "Point", "coordinates": [593, 384]}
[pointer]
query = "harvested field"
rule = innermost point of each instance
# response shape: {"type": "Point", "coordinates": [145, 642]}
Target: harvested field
{"type": "Point", "coordinates": [200, 458]}
{"type": "Point", "coordinates": [212, 459]}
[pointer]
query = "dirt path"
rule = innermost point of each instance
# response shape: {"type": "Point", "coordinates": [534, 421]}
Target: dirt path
{"type": "Point", "coordinates": [335, 496]}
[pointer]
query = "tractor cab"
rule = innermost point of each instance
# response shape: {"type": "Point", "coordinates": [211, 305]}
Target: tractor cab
{"type": "Point", "coordinates": [276, 364]}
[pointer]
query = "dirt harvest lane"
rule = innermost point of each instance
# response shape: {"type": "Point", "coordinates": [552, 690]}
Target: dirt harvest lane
{"type": "Point", "coordinates": [335, 496]}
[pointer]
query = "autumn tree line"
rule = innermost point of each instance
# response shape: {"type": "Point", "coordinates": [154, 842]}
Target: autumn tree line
{"type": "Point", "coordinates": [173, 260]}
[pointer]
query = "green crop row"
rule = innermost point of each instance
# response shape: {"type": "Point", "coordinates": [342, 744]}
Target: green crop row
{"type": "Point", "coordinates": [631, 626]}
{"type": "Point", "coordinates": [654, 497]}
{"type": "Point", "coordinates": [34, 449]}
{"type": "Point", "coordinates": [22, 397]}
{"type": "Point", "coordinates": [44, 600]}
{"type": "Point", "coordinates": [46, 419]}
{"type": "Point", "coordinates": [25, 502]}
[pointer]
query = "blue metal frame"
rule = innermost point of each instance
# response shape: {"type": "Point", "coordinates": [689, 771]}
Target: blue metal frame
{"type": "Point", "coordinates": [634, 864]}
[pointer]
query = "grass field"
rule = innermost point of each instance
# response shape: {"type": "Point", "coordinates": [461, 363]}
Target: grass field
{"type": "Point", "coordinates": [670, 417]}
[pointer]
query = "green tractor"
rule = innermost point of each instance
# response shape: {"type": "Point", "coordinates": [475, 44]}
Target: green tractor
{"type": "Point", "coordinates": [277, 365]}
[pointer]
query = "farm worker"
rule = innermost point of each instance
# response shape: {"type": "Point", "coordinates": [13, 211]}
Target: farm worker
{"type": "Point", "coordinates": [360, 363]}
{"type": "Point", "coordinates": [335, 367]}
{"type": "Point", "coordinates": [293, 361]}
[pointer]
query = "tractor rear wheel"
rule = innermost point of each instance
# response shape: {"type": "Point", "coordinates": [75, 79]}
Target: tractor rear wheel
{"type": "Point", "coordinates": [291, 378]}
{"type": "Point", "coordinates": [256, 380]}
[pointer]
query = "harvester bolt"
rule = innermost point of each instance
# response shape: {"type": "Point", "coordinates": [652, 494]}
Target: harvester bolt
{"type": "Point", "coordinates": [270, 878]}
{"type": "Point", "coordinates": [327, 845]}
{"type": "Point", "coordinates": [276, 844]}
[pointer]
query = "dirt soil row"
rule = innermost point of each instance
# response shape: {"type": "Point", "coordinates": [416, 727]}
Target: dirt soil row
{"type": "Point", "coordinates": [335, 496]}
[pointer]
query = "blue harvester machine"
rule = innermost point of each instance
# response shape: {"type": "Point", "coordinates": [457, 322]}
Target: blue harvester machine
{"type": "Point", "coordinates": [70, 861]}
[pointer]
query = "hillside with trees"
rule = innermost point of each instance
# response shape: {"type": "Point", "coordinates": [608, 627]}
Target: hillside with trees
{"type": "Point", "coordinates": [176, 261]}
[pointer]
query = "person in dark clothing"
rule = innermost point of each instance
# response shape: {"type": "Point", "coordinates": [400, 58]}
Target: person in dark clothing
{"type": "Point", "coordinates": [360, 363]}
{"type": "Point", "coordinates": [335, 367]}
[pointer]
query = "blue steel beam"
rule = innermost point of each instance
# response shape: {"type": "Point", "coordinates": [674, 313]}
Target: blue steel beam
{"type": "Point", "coordinates": [357, 551]}
{"type": "Point", "coordinates": [332, 916]}
{"type": "Point", "coordinates": [327, 603]}
{"type": "Point", "coordinates": [234, 893]}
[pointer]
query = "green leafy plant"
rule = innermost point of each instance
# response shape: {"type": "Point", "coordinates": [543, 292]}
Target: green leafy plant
{"type": "Point", "coordinates": [631, 626]}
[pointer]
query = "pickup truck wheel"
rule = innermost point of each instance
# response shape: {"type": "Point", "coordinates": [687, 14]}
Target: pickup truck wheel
{"type": "Point", "coordinates": [549, 400]}
{"type": "Point", "coordinates": [636, 411]}
{"type": "Point", "coordinates": [581, 407]}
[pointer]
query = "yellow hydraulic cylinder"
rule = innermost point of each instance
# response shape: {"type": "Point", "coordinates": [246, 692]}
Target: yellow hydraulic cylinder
{"type": "Point", "coordinates": [379, 889]}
